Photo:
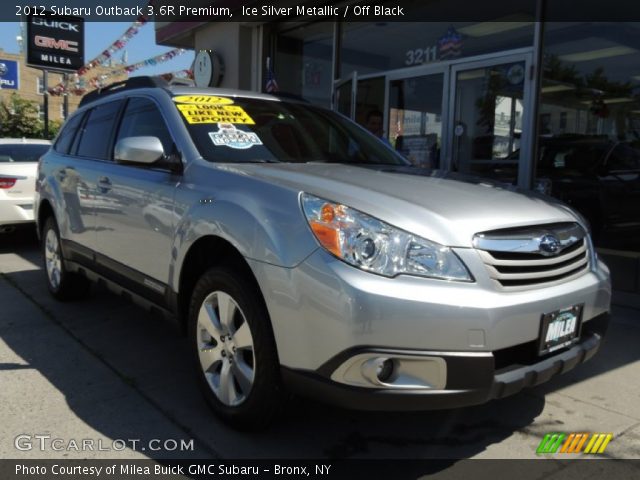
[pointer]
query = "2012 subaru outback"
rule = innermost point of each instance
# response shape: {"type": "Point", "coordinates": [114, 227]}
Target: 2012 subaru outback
{"type": "Point", "coordinates": [305, 255]}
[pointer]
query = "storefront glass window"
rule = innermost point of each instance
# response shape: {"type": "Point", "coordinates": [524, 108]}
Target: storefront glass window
{"type": "Point", "coordinates": [303, 62]}
{"type": "Point", "coordinates": [375, 47]}
{"type": "Point", "coordinates": [589, 126]}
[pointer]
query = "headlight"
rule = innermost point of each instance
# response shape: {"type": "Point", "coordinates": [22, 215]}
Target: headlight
{"type": "Point", "coordinates": [375, 246]}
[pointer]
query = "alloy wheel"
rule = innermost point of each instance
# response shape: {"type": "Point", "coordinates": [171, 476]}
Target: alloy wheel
{"type": "Point", "coordinates": [53, 261]}
{"type": "Point", "coordinates": [225, 348]}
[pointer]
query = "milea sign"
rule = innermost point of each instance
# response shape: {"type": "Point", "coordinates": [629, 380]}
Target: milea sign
{"type": "Point", "coordinates": [55, 42]}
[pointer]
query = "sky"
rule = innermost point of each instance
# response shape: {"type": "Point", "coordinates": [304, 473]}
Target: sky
{"type": "Point", "coordinates": [100, 35]}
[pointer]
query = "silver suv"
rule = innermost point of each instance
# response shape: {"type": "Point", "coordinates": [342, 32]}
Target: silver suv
{"type": "Point", "coordinates": [302, 254]}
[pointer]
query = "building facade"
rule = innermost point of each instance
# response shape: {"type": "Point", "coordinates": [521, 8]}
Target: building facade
{"type": "Point", "coordinates": [544, 105]}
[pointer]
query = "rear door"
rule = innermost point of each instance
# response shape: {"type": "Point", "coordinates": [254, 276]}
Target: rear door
{"type": "Point", "coordinates": [82, 156]}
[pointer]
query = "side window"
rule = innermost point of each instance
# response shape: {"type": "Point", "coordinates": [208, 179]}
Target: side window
{"type": "Point", "coordinates": [63, 143]}
{"type": "Point", "coordinates": [96, 134]}
{"type": "Point", "coordinates": [142, 118]}
{"type": "Point", "coordinates": [624, 158]}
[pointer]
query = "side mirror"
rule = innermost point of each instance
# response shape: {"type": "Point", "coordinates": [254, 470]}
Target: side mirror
{"type": "Point", "coordinates": [144, 150]}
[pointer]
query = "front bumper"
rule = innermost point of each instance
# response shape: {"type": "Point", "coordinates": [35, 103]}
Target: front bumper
{"type": "Point", "coordinates": [323, 307]}
{"type": "Point", "coordinates": [471, 380]}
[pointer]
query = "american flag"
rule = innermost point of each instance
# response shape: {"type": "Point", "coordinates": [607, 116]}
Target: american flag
{"type": "Point", "coordinates": [271, 86]}
{"type": "Point", "coordinates": [450, 44]}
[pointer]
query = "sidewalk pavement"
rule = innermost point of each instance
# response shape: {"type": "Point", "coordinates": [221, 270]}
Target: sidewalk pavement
{"type": "Point", "coordinates": [104, 369]}
{"type": "Point", "coordinates": [51, 362]}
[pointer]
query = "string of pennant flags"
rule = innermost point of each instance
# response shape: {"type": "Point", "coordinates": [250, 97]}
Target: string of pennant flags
{"type": "Point", "coordinates": [119, 44]}
{"type": "Point", "coordinates": [106, 55]}
{"type": "Point", "coordinates": [78, 85]}
{"type": "Point", "coordinates": [164, 57]}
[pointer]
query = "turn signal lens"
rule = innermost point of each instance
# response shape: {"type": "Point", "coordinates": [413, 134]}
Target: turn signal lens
{"type": "Point", "coordinates": [328, 236]}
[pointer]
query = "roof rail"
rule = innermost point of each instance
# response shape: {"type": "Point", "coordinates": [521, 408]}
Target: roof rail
{"type": "Point", "coordinates": [131, 83]}
{"type": "Point", "coordinates": [289, 96]}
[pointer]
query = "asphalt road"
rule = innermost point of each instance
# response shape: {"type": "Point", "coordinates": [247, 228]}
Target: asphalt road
{"type": "Point", "coordinates": [102, 369]}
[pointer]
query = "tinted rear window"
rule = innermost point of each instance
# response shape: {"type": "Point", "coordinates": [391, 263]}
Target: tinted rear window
{"type": "Point", "coordinates": [22, 152]}
{"type": "Point", "coordinates": [624, 157]}
{"type": "Point", "coordinates": [63, 143]}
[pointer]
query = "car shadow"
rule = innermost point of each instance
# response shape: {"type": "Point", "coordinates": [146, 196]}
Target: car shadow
{"type": "Point", "coordinates": [21, 241]}
{"type": "Point", "coordinates": [150, 356]}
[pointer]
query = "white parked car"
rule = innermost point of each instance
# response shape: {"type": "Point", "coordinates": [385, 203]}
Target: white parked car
{"type": "Point", "coordinates": [18, 167]}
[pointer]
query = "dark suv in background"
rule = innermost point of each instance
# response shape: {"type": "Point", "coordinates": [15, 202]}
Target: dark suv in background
{"type": "Point", "coordinates": [598, 177]}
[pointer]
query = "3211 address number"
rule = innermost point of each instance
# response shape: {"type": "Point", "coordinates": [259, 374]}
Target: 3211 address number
{"type": "Point", "coordinates": [421, 55]}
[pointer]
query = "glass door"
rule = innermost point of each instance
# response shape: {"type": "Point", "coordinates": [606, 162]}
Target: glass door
{"type": "Point", "coordinates": [362, 99]}
{"type": "Point", "coordinates": [344, 95]}
{"type": "Point", "coordinates": [417, 116]}
{"type": "Point", "coordinates": [489, 113]}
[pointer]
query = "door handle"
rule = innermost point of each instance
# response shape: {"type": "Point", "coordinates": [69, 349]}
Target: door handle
{"type": "Point", "coordinates": [104, 184]}
{"type": "Point", "coordinates": [62, 174]}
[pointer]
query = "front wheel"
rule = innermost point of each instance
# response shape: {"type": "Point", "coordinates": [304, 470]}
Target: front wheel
{"type": "Point", "coordinates": [234, 349]}
{"type": "Point", "coordinates": [62, 284]}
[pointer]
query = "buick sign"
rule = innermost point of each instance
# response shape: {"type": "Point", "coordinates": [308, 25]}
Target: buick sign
{"type": "Point", "coordinates": [55, 43]}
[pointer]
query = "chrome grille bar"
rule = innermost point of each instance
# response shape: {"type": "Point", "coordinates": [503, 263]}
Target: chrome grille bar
{"type": "Point", "coordinates": [515, 261]}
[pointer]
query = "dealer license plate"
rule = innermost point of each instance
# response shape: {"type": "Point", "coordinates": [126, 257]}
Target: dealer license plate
{"type": "Point", "coordinates": [560, 329]}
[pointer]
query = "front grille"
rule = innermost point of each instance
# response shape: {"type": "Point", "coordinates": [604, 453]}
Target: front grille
{"type": "Point", "coordinates": [515, 259]}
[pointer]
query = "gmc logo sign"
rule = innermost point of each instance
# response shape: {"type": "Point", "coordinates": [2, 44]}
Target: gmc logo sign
{"type": "Point", "coordinates": [48, 42]}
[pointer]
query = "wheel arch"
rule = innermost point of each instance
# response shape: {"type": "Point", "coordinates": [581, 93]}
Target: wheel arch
{"type": "Point", "coordinates": [45, 210]}
{"type": "Point", "coordinates": [207, 252]}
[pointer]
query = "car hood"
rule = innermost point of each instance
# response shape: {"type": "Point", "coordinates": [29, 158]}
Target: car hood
{"type": "Point", "coordinates": [444, 207]}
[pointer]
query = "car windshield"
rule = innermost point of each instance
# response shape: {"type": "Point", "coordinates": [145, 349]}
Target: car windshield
{"type": "Point", "coordinates": [251, 130]}
{"type": "Point", "coordinates": [22, 152]}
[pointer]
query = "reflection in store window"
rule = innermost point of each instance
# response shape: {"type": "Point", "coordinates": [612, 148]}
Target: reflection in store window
{"type": "Point", "coordinates": [415, 112]}
{"type": "Point", "coordinates": [589, 126]}
{"type": "Point", "coordinates": [303, 62]}
{"type": "Point", "coordinates": [374, 47]}
{"type": "Point", "coordinates": [489, 110]}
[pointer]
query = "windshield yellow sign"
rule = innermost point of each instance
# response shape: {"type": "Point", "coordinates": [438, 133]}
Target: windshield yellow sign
{"type": "Point", "coordinates": [202, 113]}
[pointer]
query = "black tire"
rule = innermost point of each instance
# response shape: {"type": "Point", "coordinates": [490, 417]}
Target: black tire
{"type": "Point", "coordinates": [64, 285]}
{"type": "Point", "coordinates": [259, 404]}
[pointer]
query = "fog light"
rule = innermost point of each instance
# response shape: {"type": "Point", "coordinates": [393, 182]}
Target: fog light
{"type": "Point", "coordinates": [384, 369]}
{"type": "Point", "coordinates": [378, 370]}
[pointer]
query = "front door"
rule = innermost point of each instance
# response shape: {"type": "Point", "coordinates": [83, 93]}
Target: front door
{"type": "Point", "coordinates": [135, 215]}
{"type": "Point", "coordinates": [489, 105]}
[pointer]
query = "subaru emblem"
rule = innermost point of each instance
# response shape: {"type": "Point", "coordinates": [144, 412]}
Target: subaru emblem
{"type": "Point", "coordinates": [549, 245]}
